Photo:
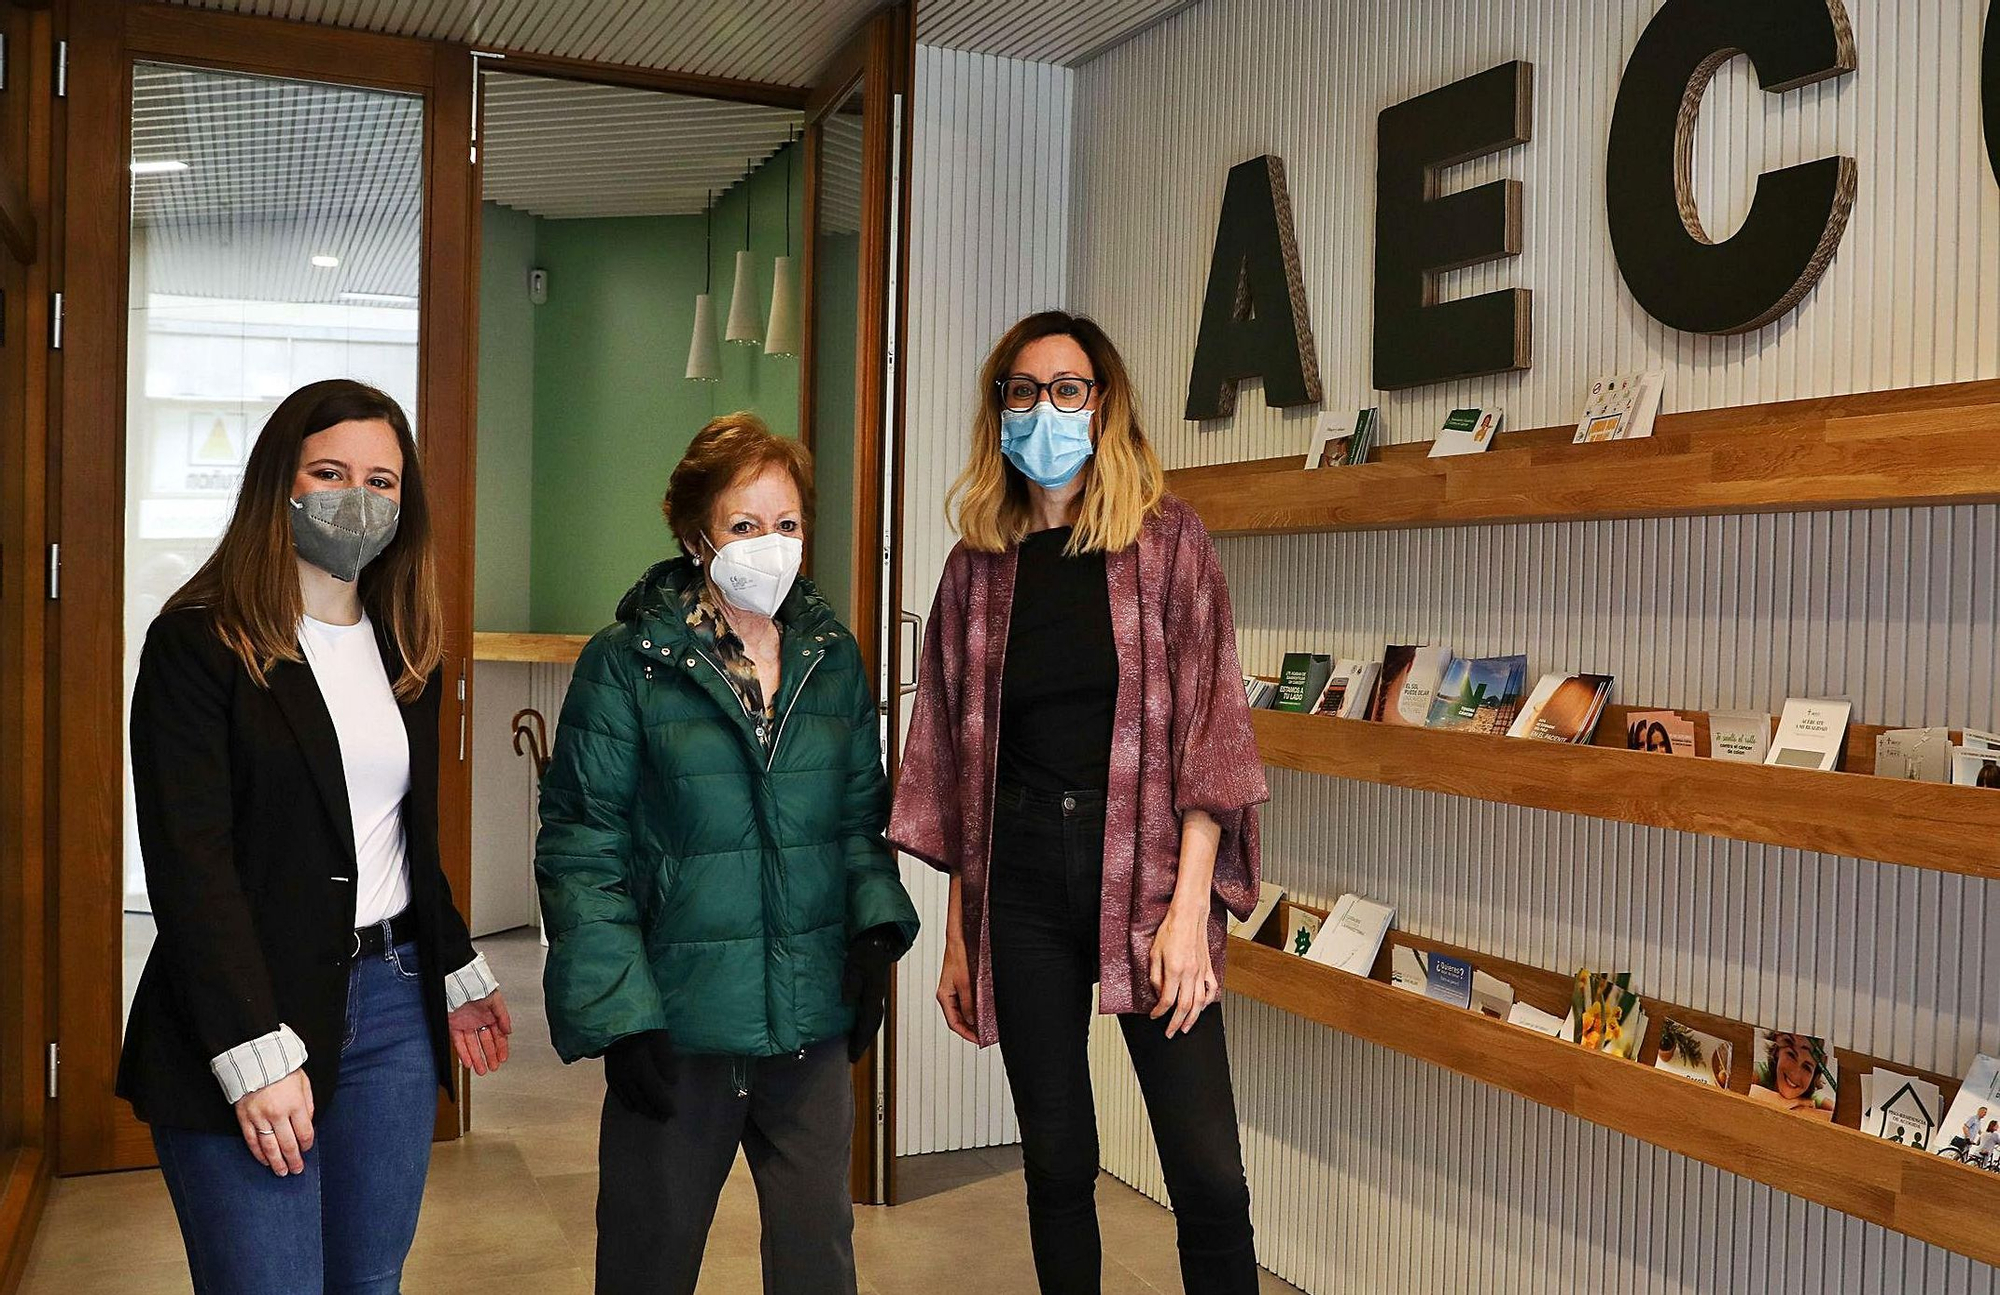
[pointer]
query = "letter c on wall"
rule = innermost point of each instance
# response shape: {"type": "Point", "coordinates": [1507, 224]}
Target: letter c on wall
{"type": "Point", "coordinates": [1990, 86]}
{"type": "Point", "coordinates": [1800, 213]}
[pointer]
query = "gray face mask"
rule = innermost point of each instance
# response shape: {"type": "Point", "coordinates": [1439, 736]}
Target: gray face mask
{"type": "Point", "coordinates": [342, 531]}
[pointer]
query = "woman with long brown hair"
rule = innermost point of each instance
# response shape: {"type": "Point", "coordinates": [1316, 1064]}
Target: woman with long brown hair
{"type": "Point", "coordinates": [1081, 762]}
{"type": "Point", "coordinates": [310, 980]}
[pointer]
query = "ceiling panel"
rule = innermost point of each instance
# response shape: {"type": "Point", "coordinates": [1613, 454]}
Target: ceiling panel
{"type": "Point", "coordinates": [783, 42]}
{"type": "Point", "coordinates": [568, 148]}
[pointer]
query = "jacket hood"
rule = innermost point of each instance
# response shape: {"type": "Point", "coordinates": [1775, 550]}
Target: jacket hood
{"type": "Point", "coordinates": [653, 601]}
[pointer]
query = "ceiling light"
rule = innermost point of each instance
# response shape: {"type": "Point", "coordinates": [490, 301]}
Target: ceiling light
{"type": "Point", "coordinates": [744, 328]}
{"type": "Point", "coordinates": [325, 262]}
{"type": "Point", "coordinates": [378, 299]}
{"type": "Point", "coordinates": [782, 337]}
{"type": "Point", "coordinates": [703, 363]}
{"type": "Point", "coordinates": [158, 168]}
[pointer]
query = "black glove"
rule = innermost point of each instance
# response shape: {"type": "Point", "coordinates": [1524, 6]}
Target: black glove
{"type": "Point", "coordinates": [865, 984]}
{"type": "Point", "coordinates": [639, 1071]}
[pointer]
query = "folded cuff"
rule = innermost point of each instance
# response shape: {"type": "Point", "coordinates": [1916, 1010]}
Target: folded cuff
{"type": "Point", "coordinates": [261, 1062]}
{"type": "Point", "coordinates": [469, 983]}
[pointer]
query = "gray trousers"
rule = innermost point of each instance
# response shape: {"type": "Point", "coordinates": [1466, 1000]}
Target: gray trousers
{"type": "Point", "coordinates": [658, 1183]}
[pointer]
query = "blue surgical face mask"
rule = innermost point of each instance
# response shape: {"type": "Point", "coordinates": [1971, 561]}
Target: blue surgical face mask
{"type": "Point", "coordinates": [1048, 446]}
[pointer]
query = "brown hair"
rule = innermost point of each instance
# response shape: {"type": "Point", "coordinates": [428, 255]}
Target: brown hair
{"type": "Point", "coordinates": [990, 498]}
{"type": "Point", "coordinates": [729, 449]}
{"type": "Point", "coordinates": [250, 584]}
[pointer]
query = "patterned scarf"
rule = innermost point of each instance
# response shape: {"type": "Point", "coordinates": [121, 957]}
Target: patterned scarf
{"type": "Point", "coordinates": [712, 628]}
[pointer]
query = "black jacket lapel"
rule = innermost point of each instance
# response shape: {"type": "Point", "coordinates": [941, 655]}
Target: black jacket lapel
{"type": "Point", "coordinates": [297, 693]}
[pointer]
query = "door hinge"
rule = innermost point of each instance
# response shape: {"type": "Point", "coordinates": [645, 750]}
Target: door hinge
{"type": "Point", "coordinates": [55, 1068]}
{"type": "Point", "coordinates": [461, 712]}
{"type": "Point", "coordinates": [3, 60]}
{"type": "Point", "coordinates": [62, 69]}
{"type": "Point", "coordinates": [55, 321]}
{"type": "Point", "coordinates": [55, 572]}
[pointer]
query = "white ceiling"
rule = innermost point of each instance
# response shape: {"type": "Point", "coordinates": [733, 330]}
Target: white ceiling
{"type": "Point", "coordinates": [785, 42]}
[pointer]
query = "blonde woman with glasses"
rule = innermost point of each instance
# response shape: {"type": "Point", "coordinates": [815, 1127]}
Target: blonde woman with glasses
{"type": "Point", "coordinates": [1081, 762]}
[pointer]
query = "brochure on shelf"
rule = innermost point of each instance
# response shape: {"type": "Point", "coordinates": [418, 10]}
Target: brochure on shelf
{"type": "Point", "coordinates": [1268, 895]}
{"type": "Point", "coordinates": [1563, 708]}
{"type": "Point", "coordinates": [1491, 996]}
{"type": "Point", "coordinates": [1741, 736]}
{"type": "Point", "coordinates": [1971, 1129]}
{"type": "Point", "coordinates": [1901, 1108]}
{"type": "Point", "coordinates": [1301, 930]}
{"type": "Point", "coordinates": [1530, 1017]}
{"type": "Point", "coordinates": [1621, 408]}
{"type": "Point", "coordinates": [1914, 754]}
{"type": "Point", "coordinates": [1300, 680]}
{"type": "Point", "coordinates": [1467, 431]}
{"type": "Point", "coordinates": [1691, 1054]}
{"type": "Point", "coordinates": [1811, 734]}
{"type": "Point", "coordinates": [1795, 1072]}
{"type": "Point", "coordinates": [1661, 731]}
{"type": "Point", "coordinates": [1410, 678]}
{"type": "Point", "coordinates": [1975, 767]}
{"type": "Point", "coordinates": [1343, 441]}
{"type": "Point", "coordinates": [1352, 935]}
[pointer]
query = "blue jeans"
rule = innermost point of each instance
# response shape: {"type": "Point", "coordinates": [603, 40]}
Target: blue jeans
{"type": "Point", "coordinates": [344, 1225]}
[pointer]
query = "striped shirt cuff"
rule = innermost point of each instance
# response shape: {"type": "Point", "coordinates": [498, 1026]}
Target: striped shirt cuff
{"type": "Point", "coordinates": [469, 983]}
{"type": "Point", "coordinates": [261, 1062]}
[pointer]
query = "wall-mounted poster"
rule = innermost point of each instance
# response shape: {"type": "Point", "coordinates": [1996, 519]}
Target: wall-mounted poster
{"type": "Point", "coordinates": [216, 439]}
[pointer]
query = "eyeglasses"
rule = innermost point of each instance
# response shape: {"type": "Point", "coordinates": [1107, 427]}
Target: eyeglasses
{"type": "Point", "coordinates": [1020, 393]}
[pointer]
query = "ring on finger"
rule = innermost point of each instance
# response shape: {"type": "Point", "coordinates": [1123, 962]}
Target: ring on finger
{"type": "Point", "coordinates": [266, 1133]}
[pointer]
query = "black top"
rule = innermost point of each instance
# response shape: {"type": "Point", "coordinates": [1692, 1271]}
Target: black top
{"type": "Point", "coordinates": [1060, 682]}
{"type": "Point", "coordinates": [249, 851]}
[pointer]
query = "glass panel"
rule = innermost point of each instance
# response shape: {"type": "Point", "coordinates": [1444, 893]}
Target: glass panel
{"type": "Point", "coordinates": [276, 227]}
{"type": "Point", "coordinates": [836, 330]}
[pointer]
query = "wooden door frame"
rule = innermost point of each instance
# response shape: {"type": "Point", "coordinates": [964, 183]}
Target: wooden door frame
{"type": "Point", "coordinates": [27, 115]}
{"type": "Point", "coordinates": [878, 60]}
{"type": "Point", "coordinates": [95, 1131]}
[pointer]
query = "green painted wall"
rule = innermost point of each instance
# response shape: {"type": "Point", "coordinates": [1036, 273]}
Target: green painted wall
{"type": "Point", "coordinates": [613, 409]}
{"type": "Point", "coordinates": [584, 406]}
{"type": "Point", "coordinates": [500, 589]}
{"type": "Point", "coordinates": [838, 270]}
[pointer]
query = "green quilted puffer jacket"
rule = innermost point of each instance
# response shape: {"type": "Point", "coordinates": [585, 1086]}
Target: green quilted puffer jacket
{"type": "Point", "coordinates": [688, 882]}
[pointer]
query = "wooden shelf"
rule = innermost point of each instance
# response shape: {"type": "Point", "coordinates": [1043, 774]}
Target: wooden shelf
{"type": "Point", "coordinates": [1912, 1192]}
{"type": "Point", "coordinates": [1922, 825]}
{"type": "Point", "coordinates": [557, 649]}
{"type": "Point", "coordinates": [1923, 445]}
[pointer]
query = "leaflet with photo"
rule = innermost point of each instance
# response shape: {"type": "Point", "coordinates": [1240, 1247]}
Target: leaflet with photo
{"type": "Point", "coordinates": [1691, 1054]}
{"type": "Point", "coordinates": [1975, 767]}
{"type": "Point", "coordinates": [1410, 678]}
{"type": "Point", "coordinates": [1563, 708]}
{"type": "Point", "coordinates": [1480, 696]}
{"type": "Point", "coordinates": [1971, 1131]}
{"type": "Point", "coordinates": [1811, 734]}
{"type": "Point", "coordinates": [1662, 731]}
{"type": "Point", "coordinates": [1467, 431]}
{"type": "Point", "coordinates": [1795, 1072]}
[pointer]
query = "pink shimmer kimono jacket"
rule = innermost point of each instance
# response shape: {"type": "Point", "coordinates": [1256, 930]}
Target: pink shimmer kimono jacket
{"type": "Point", "coordinates": [1180, 741]}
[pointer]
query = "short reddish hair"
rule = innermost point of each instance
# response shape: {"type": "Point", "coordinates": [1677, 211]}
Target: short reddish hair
{"type": "Point", "coordinates": [729, 449]}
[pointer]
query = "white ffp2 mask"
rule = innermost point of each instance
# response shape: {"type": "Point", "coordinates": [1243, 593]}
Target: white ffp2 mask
{"type": "Point", "coordinates": [755, 574]}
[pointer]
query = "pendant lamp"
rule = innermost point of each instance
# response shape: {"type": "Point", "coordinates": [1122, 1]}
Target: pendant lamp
{"type": "Point", "coordinates": [744, 326]}
{"type": "Point", "coordinates": [782, 338]}
{"type": "Point", "coordinates": [704, 365]}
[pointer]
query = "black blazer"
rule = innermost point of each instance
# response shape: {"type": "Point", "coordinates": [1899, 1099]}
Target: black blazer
{"type": "Point", "coordinates": [249, 851]}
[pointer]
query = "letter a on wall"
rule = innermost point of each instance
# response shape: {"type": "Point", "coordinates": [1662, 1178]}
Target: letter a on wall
{"type": "Point", "coordinates": [1678, 274]}
{"type": "Point", "coordinates": [1419, 234]}
{"type": "Point", "coordinates": [1253, 319]}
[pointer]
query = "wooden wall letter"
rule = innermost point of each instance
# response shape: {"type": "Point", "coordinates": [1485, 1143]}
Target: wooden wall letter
{"type": "Point", "coordinates": [1253, 318]}
{"type": "Point", "coordinates": [1419, 234]}
{"type": "Point", "coordinates": [1676, 272]}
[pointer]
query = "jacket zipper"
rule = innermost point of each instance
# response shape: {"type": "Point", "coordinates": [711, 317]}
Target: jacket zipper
{"type": "Point", "coordinates": [771, 760]}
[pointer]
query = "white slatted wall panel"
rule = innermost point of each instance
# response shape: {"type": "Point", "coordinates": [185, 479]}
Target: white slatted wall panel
{"type": "Point", "coordinates": [1372, 1172]}
{"type": "Point", "coordinates": [989, 203]}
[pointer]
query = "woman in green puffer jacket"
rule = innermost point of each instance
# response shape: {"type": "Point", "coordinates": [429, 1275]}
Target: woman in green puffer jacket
{"type": "Point", "coordinates": [721, 908]}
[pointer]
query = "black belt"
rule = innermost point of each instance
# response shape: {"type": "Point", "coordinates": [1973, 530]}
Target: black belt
{"type": "Point", "coordinates": [374, 941]}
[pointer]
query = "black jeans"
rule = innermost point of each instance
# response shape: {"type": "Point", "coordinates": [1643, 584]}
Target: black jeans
{"type": "Point", "coordinates": [1047, 873]}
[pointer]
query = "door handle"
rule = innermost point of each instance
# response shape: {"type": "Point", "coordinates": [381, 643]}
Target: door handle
{"type": "Point", "coordinates": [911, 618]}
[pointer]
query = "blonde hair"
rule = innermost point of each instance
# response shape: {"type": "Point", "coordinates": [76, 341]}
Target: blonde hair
{"type": "Point", "coordinates": [988, 504]}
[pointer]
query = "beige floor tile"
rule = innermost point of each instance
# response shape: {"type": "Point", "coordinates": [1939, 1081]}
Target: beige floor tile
{"type": "Point", "coordinates": [513, 1206]}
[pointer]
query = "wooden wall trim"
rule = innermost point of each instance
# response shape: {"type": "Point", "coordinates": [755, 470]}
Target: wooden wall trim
{"type": "Point", "coordinates": [24, 1190]}
{"type": "Point", "coordinates": [277, 47]}
{"type": "Point", "coordinates": [767, 93]}
{"type": "Point", "coordinates": [17, 219]}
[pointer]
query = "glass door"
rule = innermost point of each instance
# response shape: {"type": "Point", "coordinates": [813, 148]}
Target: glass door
{"type": "Point", "coordinates": [230, 236]}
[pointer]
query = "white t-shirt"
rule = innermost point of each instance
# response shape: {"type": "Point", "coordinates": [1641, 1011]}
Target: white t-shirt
{"type": "Point", "coordinates": [374, 754]}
